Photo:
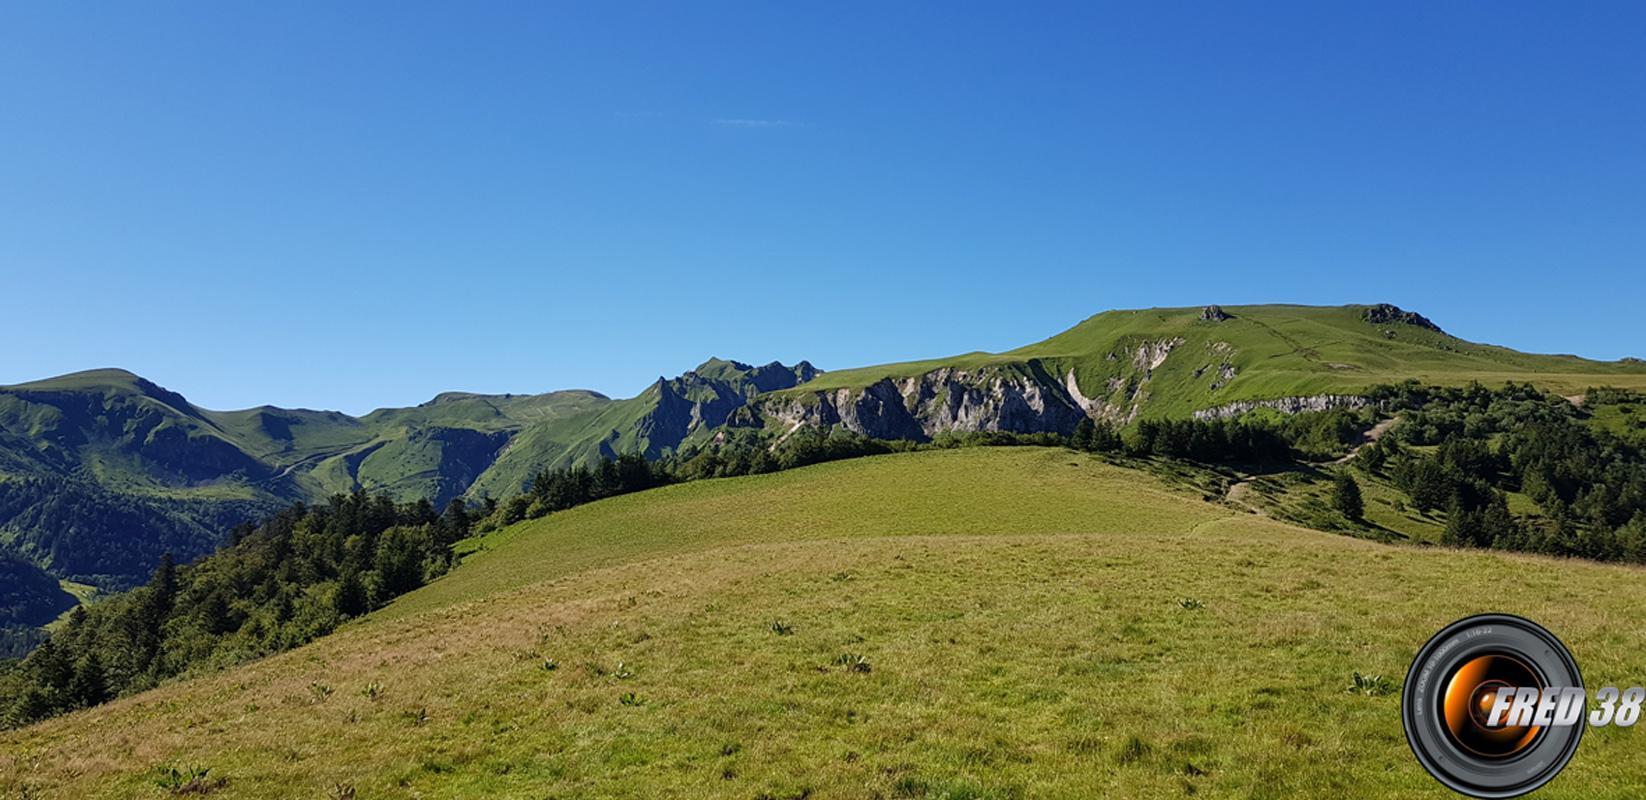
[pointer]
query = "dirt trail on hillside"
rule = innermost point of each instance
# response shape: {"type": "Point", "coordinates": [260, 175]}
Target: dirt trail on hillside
{"type": "Point", "coordinates": [1369, 437]}
{"type": "Point", "coordinates": [1237, 496]}
{"type": "Point", "coordinates": [1238, 490]}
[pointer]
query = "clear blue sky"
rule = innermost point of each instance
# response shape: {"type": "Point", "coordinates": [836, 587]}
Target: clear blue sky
{"type": "Point", "coordinates": [351, 205]}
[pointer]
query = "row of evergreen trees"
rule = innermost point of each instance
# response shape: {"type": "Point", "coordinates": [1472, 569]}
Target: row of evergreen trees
{"type": "Point", "coordinates": [559, 489]}
{"type": "Point", "coordinates": [1253, 439]}
{"type": "Point", "coordinates": [275, 586]}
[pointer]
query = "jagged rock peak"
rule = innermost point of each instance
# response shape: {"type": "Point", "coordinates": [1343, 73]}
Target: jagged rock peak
{"type": "Point", "coordinates": [1385, 314]}
{"type": "Point", "coordinates": [766, 377]}
{"type": "Point", "coordinates": [1213, 313]}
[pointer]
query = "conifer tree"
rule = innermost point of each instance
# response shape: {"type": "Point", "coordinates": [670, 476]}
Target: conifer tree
{"type": "Point", "coordinates": [1346, 496]}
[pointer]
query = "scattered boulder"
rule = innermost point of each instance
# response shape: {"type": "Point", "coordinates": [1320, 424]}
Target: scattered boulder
{"type": "Point", "coordinates": [1385, 314]}
{"type": "Point", "coordinates": [1213, 313]}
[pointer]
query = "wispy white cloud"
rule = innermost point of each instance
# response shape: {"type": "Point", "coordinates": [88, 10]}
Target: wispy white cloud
{"type": "Point", "coordinates": [737, 122]}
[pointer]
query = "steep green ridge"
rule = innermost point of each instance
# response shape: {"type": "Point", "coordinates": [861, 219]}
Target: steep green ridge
{"type": "Point", "coordinates": [1282, 351]}
{"type": "Point", "coordinates": [1170, 362]}
{"type": "Point", "coordinates": [990, 622]}
{"type": "Point", "coordinates": [666, 415]}
{"type": "Point", "coordinates": [29, 600]}
{"type": "Point", "coordinates": [101, 472]}
{"type": "Point", "coordinates": [121, 431]}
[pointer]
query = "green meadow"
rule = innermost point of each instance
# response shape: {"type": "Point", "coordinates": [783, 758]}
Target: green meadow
{"type": "Point", "coordinates": [979, 623]}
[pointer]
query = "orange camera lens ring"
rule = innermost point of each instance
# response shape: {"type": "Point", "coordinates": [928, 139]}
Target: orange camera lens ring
{"type": "Point", "coordinates": [1467, 702]}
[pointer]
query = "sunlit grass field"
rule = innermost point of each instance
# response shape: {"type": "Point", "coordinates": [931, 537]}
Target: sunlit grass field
{"type": "Point", "coordinates": [983, 623]}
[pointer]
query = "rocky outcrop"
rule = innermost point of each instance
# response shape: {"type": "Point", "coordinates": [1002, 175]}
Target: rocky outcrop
{"type": "Point", "coordinates": [460, 455]}
{"type": "Point", "coordinates": [709, 396]}
{"type": "Point", "coordinates": [1148, 355]}
{"type": "Point", "coordinates": [1285, 405]}
{"type": "Point", "coordinates": [1017, 397]}
{"type": "Point", "coordinates": [1221, 366]}
{"type": "Point", "coordinates": [1386, 314]}
{"type": "Point", "coordinates": [1214, 314]}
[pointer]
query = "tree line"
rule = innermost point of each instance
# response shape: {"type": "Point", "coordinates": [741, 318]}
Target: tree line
{"type": "Point", "coordinates": [1255, 438]}
{"type": "Point", "coordinates": [1479, 444]}
{"type": "Point", "coordinates": [275, 586]}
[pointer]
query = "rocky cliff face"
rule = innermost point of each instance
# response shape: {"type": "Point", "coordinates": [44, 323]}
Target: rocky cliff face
{"type": "Point", "coordinates": [1019, 397]}
{"type": "Point", "coordinates": [989, 399]}
{"type": "Point", "coordinates": [1030, 396]}
{"type": "Point", "coordinates": [707, 396]}
{"type": "Point", "coordinates": [1285, 405]}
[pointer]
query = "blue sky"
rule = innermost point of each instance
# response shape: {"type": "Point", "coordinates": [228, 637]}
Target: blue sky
{"type": "Point", "coordinates": [352, 205]}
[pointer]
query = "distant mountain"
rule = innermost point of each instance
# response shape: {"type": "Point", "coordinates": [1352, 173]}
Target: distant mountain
{"type": "Point", "coordinates": [669, 413]}
{"type": "Point", "coordinates": [1124, 365]}
{"type": "Point", "coordinates": [103, 471]}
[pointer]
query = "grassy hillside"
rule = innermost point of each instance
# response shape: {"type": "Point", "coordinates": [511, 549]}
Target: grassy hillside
{"type": "Point", "coordinates": [103, 471]}
{"type": "Point", "coordinates": [971, 623]}
{"type": "Point", "coordinates": [656, 422]}
{"type": "Point", "coordinates": [1259, 352]}
{"type": "Point", "coordinates": [129, 435]}
{"type": "Point", "coordinates": [1621, 415]}
{"type": "Point", "coordinates": [143, 471]}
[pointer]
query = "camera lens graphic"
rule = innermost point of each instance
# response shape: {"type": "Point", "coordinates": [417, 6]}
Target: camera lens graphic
{"type": "Point", "coordinates": [1452, 688]}
{"type": "Point", "coordinates": [1467, 705]}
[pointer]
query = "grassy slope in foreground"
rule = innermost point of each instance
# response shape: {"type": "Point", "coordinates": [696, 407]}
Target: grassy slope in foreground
{"type": "Point", "coordinates": [1278, 351]}
{"type": "Point", "coordinates": [1018, 608]}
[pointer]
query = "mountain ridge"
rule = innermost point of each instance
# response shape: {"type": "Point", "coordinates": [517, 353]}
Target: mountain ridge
{"type": "Point", "coordinates": [131, 459]}
{"type": "Point", "coordinates": [1123, 365]}
{"type": "Point", "coordinates": [136, 450]}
